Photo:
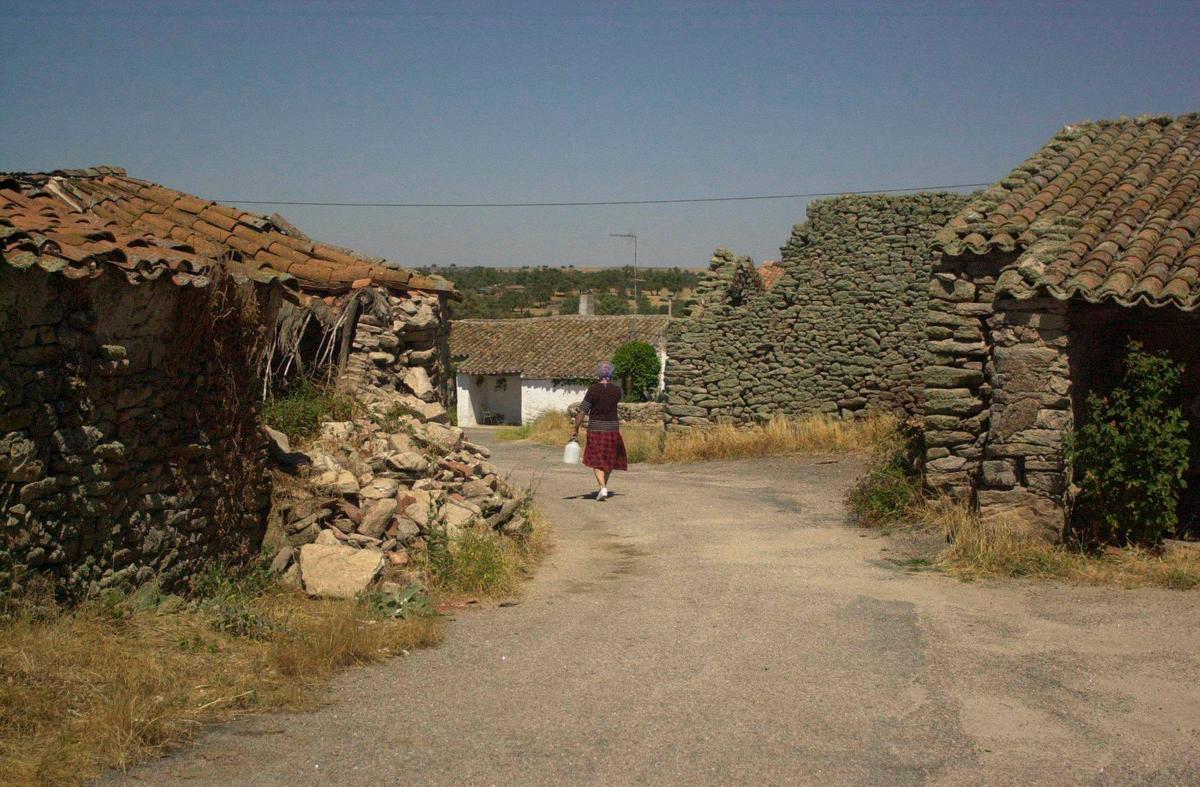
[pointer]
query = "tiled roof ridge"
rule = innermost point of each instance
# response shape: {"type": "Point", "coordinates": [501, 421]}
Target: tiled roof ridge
{"type": "Point", "coordinates": [1105, 211]}
{"type": "Point", "coordinates": [85, 172]}
{"type": "Point", "coordinates": [551, 347]}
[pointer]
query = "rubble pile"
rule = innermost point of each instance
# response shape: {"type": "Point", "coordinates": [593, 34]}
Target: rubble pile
{"type": "Point", "coordinates": [387, 484]}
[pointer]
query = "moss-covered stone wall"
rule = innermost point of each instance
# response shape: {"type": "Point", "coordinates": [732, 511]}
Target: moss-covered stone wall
{"type": "Point", "coordinates": [842, 331]}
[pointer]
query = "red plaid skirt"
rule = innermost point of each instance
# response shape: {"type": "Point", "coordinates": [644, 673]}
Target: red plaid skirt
{"type": "Point", "coordinates": [605, 451]}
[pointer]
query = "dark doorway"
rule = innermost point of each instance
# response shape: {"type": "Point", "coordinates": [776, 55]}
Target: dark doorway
{"type": "Point", "coordinates": [1099, 336]}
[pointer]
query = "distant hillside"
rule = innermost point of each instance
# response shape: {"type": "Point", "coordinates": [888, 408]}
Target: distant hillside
{"type": "Point", "coordinates": [530, 292]}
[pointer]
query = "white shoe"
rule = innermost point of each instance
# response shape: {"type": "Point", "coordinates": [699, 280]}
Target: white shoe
{"type": "Point", "coordinates": [602, 494]}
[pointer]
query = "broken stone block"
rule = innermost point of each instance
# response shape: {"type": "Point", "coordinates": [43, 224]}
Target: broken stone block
{"type": "Point", "coordinates": [416, 506]}
{"type": "Point", "coordinates": [377, 517]}
{"type": "Point", "coordinates": [379, 489]}
{"type": "Point", "coordinates": [444, 438]}
{"type": "Point", "coordinates": [416, 379]}
{"type": "Point", "coordinates": [336, 571]}
{"type": "Point", "coordinates": [328, 536]}
{"type": "Point", "coordinates": [282, 560]}
{"type": "Point", "coordinates": [409, 462]}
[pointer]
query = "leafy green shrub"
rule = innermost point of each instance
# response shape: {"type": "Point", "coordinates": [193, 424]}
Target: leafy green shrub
{"type": "Point", "coordinates": [305, 406]}
{"type": "Point", "coordinates": [887, 492]}
{"type": "Point", "coordinates": [1130, 455]}
{"type": "Point", "coordinates": [637, 366]}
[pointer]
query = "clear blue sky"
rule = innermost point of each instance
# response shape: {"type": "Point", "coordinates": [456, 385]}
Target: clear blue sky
{"type": "Point", "coordinates": [447, 101]}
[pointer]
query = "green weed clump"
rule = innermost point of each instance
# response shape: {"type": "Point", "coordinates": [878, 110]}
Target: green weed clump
{"type": "Point", "coordinates": [887, 494]}
{"type": "Point", "coordinates": [475, 564]}
{"type": "Point", "coordinates": [300, 411]}
{"type": "Point", "coordinates": [486, 564]}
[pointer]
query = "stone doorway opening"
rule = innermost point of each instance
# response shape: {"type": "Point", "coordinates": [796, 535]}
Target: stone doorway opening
{"type": "Point", "coordinates": [1100, 334]}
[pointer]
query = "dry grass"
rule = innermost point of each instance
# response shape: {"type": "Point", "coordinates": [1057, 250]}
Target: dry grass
{"type": "Point", "coordinates": [104, 685]}
{"type": "Point", "coordinates": [1002, 546]}
{"type": "Point", "coordinates": [778, 437]}
{"type": "Point", "coordinates": [115, 681]}
{"type": "Point", "coordinates": [782, 437]}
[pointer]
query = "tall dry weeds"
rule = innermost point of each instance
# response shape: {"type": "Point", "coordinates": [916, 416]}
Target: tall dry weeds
{"type": "Point", "coordinates": [778, 437]}
{"type": "Point", "coordinates": [1003, 545]}
{"type": "Point", "coordinates": [781, 437]}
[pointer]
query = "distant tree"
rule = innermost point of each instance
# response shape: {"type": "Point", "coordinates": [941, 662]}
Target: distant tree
{"type": "Point", "coordinates": [637, 366]}
{"type": "Point", "coordinates": [569, 305]}
{"type": "Point", "coordinates": [643, 305]}
{"type": "Point", "coordinates": [609, 303]}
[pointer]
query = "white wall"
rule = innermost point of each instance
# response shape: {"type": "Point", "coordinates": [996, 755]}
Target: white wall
{"type": "Point", "coordinates": [488, 393]}
{"type": "Point", "coordinates": [540, 396]}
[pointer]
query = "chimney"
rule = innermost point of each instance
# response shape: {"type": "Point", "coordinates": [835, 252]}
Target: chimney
{"type": "Point", "coordinates": [587, 305]}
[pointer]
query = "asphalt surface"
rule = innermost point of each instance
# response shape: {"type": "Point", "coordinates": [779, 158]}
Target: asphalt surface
{"type": "Point", "coordinates": [723, 623]}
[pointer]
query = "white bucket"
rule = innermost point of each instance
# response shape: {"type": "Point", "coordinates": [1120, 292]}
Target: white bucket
{"type": "Point", "coordinates": [572, 454]}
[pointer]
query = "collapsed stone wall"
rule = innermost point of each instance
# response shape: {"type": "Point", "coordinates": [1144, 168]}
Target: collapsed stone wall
{"type": "Point", "coordinates": [130, 446]}
{"type": "Point", "coordinates": [410, 351]}
{"type": "Point", "coordinates": [841, 332]}
{"type": "Point", "coordinates": [729, 281]}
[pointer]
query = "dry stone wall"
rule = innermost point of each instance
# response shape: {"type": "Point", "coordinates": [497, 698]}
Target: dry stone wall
{"type": "Point", "coordinates": [842, 331]}
{"type": "Point", "coordinates": [409, 351]}
{"type": "Point", "coordinates": [130, 446]}
{"type": "Point", "coordinates": [997, 394]}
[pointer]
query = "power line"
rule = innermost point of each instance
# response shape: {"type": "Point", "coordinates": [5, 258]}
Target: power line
{"type": "Point", "coordinates": [592, 203]}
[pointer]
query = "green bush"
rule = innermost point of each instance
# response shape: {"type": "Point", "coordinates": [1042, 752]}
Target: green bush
{"type": "Point", "coordinates": [886, 493]}
{"type": "Point", "coordinates": [1130, 455]}
{"type": "Point", "coordinates": [305, 406]}
{"type": "Point", "coordinates": [637, 367]}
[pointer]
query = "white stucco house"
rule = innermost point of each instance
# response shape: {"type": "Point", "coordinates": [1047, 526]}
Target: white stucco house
{"type": "Point", "coordinates": [512, 371]}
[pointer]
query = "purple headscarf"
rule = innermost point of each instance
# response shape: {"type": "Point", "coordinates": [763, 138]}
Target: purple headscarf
{"type": "Point", "coordinates": [605, 370]}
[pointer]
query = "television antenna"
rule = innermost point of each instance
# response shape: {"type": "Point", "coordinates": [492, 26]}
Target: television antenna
{"type": "Point", "coordinates": [632, 236]}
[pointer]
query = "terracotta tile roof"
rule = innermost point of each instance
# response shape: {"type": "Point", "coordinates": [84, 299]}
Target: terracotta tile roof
{"type": "Point", "coordinates": [198, 229]}
{"type": "Point", "coordinates": [41, 224]}
{"type": "Point", "coordinates": [769, 272]}
{"type": "Point", "coordinates": [1108, 210]}
{"type": "Point", "coordinates": [548, 347]}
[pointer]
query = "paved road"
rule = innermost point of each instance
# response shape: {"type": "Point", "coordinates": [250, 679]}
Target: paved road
{"type": "Point", "coordinates": [721, 624]}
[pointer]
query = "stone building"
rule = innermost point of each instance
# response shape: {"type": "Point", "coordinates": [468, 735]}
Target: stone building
{"type": "Point", "coordinates": [512, 371]}
{"type": "Point", "coordinates": [836, 326]}
{"type": "Point", "coordinates": [1038, 284]}
{"type": "Point", "coordinates": [137, 324]}
{"type": "Point", "coordinates": [371, 319]}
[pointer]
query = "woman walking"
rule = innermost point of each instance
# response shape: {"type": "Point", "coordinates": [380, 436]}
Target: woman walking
{"type": "Point", "coordinates": [605, 451]}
